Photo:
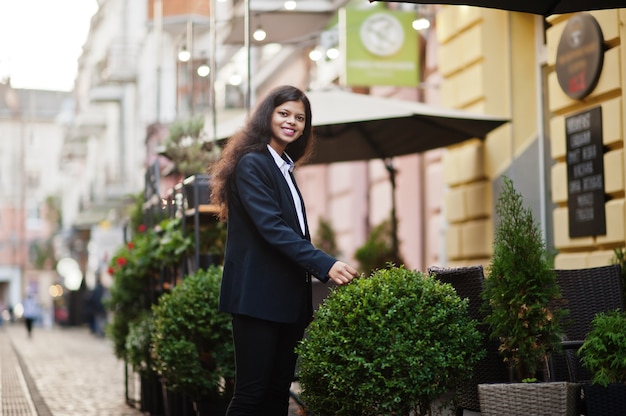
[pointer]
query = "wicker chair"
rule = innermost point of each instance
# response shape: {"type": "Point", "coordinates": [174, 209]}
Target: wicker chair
{"type": "Point", "coordinates": [585, 292]}
{"type": "Point", "coordinates": [468, 283]}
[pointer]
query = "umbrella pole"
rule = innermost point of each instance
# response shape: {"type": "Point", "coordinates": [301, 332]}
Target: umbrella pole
{"type": "Point", "coordinates": [394, 219]}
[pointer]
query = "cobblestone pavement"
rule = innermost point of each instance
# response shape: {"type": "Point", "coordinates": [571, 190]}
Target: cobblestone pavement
{"type": "Point", "coordinates": [63, 372]}
{"type": "Point", "coordinates": [60, 372]}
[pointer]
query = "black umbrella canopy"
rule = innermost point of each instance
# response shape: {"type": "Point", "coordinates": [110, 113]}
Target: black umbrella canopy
{"type": "Point", "coordinates": [540, 7]}
{"type": "Point", "coordinates": [352, 126]}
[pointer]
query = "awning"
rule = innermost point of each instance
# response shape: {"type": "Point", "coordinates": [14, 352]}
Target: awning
{"type": "Point", "coordinates": [282, 27]}
{"type": "Point", "coordinates": [111, 211]}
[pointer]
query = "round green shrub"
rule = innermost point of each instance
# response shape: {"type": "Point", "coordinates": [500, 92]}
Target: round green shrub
{"type": "Point", "coordinates": [192, 342]}
{"type": "Point", "coordinates": [388, 344]}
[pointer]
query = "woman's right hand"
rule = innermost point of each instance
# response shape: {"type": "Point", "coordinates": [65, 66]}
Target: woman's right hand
{"type": "Point", "coordinates": [342, 273]}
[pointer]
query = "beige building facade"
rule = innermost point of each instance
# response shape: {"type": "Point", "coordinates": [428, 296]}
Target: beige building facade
{"type": "Point", "coordinates": [476, 59]}
{"type": "Point", "coordinates": [504, 64]}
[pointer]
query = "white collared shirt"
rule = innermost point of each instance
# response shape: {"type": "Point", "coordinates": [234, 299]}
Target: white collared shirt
{"type": "Point", "coordinates": [286, 167]}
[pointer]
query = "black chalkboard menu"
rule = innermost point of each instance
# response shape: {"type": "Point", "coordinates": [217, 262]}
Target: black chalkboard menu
{"type": "Point", "coordinates": [585, 173]}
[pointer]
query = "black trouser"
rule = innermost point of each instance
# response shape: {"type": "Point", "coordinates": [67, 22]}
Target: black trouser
{"type": "Point", "coordinates": [265, 360]}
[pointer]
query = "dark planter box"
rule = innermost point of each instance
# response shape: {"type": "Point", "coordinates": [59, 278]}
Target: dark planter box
{"type": "Point", "coordinates": [196, 189]}
{"type": "Point", "coordinates": [605, 401]}
{"type": "Point", "coordinates": [210, 408]}
{"type": "Point", "coordinates": [176, 404]}
{"type": "Point", "coordinates": [151, 396]}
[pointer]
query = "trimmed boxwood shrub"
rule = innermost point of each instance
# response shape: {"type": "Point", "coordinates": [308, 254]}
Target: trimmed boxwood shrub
{"type": "Point", "coordinates": [192, 341]}
{"type": "Point", "coordinates": [388, 344]}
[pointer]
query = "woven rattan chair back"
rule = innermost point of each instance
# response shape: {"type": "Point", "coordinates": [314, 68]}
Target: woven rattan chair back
{"type": "Point", "coordinates": [585, 293]}
{"type": "Point", "coordinates": [468, 283]}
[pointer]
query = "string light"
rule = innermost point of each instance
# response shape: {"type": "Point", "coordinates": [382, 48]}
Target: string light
{"type": "Point", "coordinates": [332, 53]}
{"type": "Point", "coordinates": [235, 79]}
{"type": "Point", "coordinates": [203, 70]}
{"type": "Point", "coordinates": [259, 34]}
{"type": "Point", "coordinates": [421, 24]}
{"type": "Point", "coordinates": [315, 55]}
{"type": "Point", "coordinates": [184, 55]}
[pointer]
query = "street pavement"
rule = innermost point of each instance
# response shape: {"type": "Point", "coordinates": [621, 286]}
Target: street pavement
{"type": "Point", "coordinates": [63, 371]}
{"type": "Point", "coordinates": [60, 372]}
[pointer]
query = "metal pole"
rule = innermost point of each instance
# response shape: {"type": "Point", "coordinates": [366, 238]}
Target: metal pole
{"type": "Point", "coordinates": [190, 64]}
{"type": "Point", "coordinates": [158, 27]}
{"type": "Point", "coordinates": [246, 38]}
{"type": "Point", "coordinates": [213, 66]}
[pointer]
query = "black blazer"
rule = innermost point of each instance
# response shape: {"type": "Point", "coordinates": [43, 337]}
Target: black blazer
{"type": "Point", "coordinates": [268, 262]}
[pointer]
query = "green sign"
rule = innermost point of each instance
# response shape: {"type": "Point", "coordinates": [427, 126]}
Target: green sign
{"type": "Point", "coordinates": [379, 47]}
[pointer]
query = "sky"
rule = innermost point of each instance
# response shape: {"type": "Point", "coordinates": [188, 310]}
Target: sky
{"type": "Point", "coordinates": [41, 40]}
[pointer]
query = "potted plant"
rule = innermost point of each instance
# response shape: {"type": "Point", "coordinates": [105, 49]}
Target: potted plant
{"type": "Point", "coordinates": [392, 343]}
{"type": "Point", "coordinates": [133, 267]}
{"type": "Point", "coordinates": [212, 241]}
{"type": "Point", "coordinates": [187, 147]}
{"type": "Point", "coordinates": [378, 251]}
{"type": "Point", "coordinates": [139, 357]}
{"type": "Point", "coordinates": [521, 299]}
{"type": "Point", "coordinates": [604, 354]}
{"type": "Point", "coordinates": [192, 344]}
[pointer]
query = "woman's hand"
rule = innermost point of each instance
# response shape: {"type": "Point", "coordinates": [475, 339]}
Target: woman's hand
{"type": "Point", "coordinates": [342, 273]}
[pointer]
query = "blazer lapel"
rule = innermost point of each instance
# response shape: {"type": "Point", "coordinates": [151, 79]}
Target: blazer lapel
{"type": "Point", "coordinates": [287, 192]}
{"type": "Point", "coordinates": [306, 223]}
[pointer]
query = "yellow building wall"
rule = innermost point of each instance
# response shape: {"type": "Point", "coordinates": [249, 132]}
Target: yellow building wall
{"type": "Point", "coordinates": [593, 250]}
{"type": "Point", "coordinates": [487, 59]}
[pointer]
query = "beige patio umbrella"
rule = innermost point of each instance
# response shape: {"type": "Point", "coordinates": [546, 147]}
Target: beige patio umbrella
{"type": "Point", "coordinates": [353, 127]}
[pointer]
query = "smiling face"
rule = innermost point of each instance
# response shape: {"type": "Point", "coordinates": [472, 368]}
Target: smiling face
{"type": "Point", "coordinates": [288, 122]}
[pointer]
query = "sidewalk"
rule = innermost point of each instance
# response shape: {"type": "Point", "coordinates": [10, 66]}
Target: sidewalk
{"type": "Point", "coordinates": [64, 372]}
{"type": "Point", "coordinates": [60, 372]}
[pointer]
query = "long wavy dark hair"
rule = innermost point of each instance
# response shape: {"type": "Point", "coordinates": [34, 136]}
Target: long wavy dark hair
{"type": "Point", "coordinates": [254, 137]}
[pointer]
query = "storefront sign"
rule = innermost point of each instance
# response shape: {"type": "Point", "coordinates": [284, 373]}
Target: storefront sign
{"type": "Point", "coordinates": [379, 48]}
{"type": "Point", "coordinates": [585, 174]}
{"type": "Point", "coordinates": [579, 56]}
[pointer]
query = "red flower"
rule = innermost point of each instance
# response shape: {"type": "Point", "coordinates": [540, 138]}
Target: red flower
{"type": "Point", "coordinates": [141, 228]}
{"type": "Point", "coordinates": [121, 261]}
{"type": "Point", "coordinates": [130, 245]}
{"type": "Point", "coordinates": [110, 270]}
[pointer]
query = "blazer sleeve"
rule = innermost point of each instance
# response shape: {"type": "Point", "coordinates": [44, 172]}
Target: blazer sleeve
{"type": "Point", "coordinates": [258, 182]}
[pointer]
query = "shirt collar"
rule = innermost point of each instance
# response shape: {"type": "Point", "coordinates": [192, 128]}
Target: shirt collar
{"type": "Point", "coordinates": [284, 163]}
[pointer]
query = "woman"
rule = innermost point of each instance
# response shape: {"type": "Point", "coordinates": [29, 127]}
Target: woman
{"type": "Point", "coordinates": [269, 258]}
